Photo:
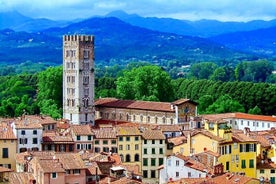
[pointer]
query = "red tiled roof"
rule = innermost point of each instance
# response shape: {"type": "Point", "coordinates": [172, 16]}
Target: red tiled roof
{"type": "Point", "coordinates": [240, 115]}
{"type": "Point", "coordinates": [169, 128]}
{"type": "Point", "coordinates": [33, 121]}
{"type": "Point", "coordinates": [81, 129]}
{"type": "Point", "coordinates": [134, 104]}
{"type": "Point", "coordinates": [183, 100]}
{"type": "Point", "coordinates": [105, 133]}
{"type": "Point", "coordinates": [70, 160]}
{"type": "Point", "coordinates": [177, 140]}
{"type": "Point", "coordinates": [153, 134]}
{"type": "Point", "coordinates": [22, 177]}
{"type": "Point", "coordinates": [50, 165]}
{"type": "Point", "coordinates": [208, 134]}
{"type": "Point", "coordinates": [241, 137]}
{"type": "Point", "coordinates": [6, 132]}
{"type": "Point", "coordinates": [55, 137]}
{"type": "Point", "coordinates": [128, 131]}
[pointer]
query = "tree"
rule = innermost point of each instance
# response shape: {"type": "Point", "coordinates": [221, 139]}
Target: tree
{"type": "Point", "coordinates": [145, 83]}
{"type": "Point", "coordinates": [255, 110]}
{"type": "Point", "coordinates": [49, 97]}
{"type": "Point", "coordinates": [225, 104]}
{"type": "Point", "coordinates": [204, 102]}
{"type": "Point", "coordinates": [202, 70]}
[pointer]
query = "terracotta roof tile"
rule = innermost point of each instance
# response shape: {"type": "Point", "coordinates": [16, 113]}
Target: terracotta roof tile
{"type": "Point", "coordinates": [6, 132]}
{"type": "Point", "coordinates": [105, 133]}
{"type": "Point", "coordinates": [266, 165]}
{"type": "Point", "coordinates": [50, 165]}
{"type": "Point", "coordinates": [169, 128]}
{"type": "Point", "coordinates": [18, 178]}
{"type": "Point", "coordinates": [4, 169]}
{"type": "Point", "coordinates": [178, 140]}
{"type": "Point", "coordinates": [33, 121]}
{"type": "Point", "coordinates": [153, 134]}
{"type": "Point", "coordinates": [70, 160]}
{"type": "Point", "coordinates": [134, 104]}
{"type": "Point", "coordinates": [208, 134]}
{"type": "Point", "coordinates": [81, 129]}
{"type": "Point", "coordinates": [55, 137]}
{"type": "Point", "coordinates": [183, 100]}
{"type": "Point", "coordinates": [241, 137]}
{"type": "Point", "coordinates": [128, 131]}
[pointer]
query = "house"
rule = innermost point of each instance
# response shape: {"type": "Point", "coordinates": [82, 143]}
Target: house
{"type": "Point", "coordinates": [54, 141]}
{"type": "Point", "coordinates": [177, 145]}
{"type": "Point", "coordinates": [129, 145]}
{"type": "Point", "coordinates": [154, 150]}
{"type": "Point", "coordinates": [178, 166]}
{"type": "Point", "coordinates": [239, 121]}
{"type": "Point", "coordinates": [266, 171]}
{"type": "Point", "coordinates": [82, 136]}
{"type": "Point", "coordinates": [8, 146]}
{"type": "Point", "coordinates": [146, 112]}
{"type": "Point", "coordinates": [28, 131]}
{"type": "Point", "coordinates": [105, 139]}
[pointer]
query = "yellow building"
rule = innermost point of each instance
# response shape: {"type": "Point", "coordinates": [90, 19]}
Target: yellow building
{"type": "Point", "coordinates": [8, 145]}
{"type": "Point", "coordinates": [130, 145]}
{"type": "Point", "coordinates": [178, 145]}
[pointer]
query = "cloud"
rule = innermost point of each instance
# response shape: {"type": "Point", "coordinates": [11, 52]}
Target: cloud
{"type": "Point", "coordinates": [243, 10]}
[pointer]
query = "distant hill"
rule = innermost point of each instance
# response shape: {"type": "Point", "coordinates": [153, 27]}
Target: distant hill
{"type": "Point", "coordinates": [201, 28]}
{"type": "Point", "coordinates": [260, 42]}
{"type": "Point", "coordinates": [18, 22]}
{"type": "Point", "coordinates": [114, 40]}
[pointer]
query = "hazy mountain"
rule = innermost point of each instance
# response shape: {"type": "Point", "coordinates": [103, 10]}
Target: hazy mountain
{"type": "Point", "coordinates": [261, 41]}
{"type": "Point", "coordinates": [201, 28]}
{"type": "Point", "coordinates": [18, 22]}
{"type": "Point", "coordinates": [114, 39]}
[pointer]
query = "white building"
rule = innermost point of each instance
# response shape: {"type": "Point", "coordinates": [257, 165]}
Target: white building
{"type": "Point", "coordinates": [178, 166]}
{"type": "Point", "coordinates": [29, 134]}
{"type": "Point", "coordinates": [240, 121]}
{"type": "Point", "coordinates": [153, 144]}
{"type": "Point", "coordinates": [83, 137]}
{"type": "Point", "coordinates": [78, 79]}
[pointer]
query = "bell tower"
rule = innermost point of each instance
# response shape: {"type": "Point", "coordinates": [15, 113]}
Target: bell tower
{"type": "Point", "coordinates": [78, 79]}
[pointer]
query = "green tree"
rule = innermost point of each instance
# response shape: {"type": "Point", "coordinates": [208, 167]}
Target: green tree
{"type": "Point", "coordinates": [145, 83]}
{"type": "Point", "coordinates": [49, 97]}
{"type": "Point", "coordinates": [225, 104]}
{"type": "Point", "coordinates": [255, 110]}
{"type": "Point", "coordinates": [202, 70]}
{"type": "Point", "coordinates": [204, 102]}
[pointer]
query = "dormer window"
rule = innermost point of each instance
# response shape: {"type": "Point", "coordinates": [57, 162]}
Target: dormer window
{"type": "Point", "coordinates": [78, 138]}
{"type": "Point", "coordinates": [23, 132]}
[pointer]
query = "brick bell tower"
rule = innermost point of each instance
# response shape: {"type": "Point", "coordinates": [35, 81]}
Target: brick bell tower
{"type": "Point", "coordinates": [78, 79]}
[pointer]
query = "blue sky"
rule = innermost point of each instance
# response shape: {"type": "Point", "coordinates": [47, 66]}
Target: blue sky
{"type": "Point", "coordinates": [223, 10]}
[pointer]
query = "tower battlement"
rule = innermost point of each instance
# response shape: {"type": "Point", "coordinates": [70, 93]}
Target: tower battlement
{"type": "Point", "coordinates": [89, 38]}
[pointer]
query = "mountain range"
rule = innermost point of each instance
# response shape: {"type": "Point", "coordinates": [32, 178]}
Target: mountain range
{"type": "Point", "coordinates": [120, 38]}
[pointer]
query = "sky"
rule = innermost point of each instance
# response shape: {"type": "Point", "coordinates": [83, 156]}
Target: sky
{"type": "Point", "coordinates": [222, 10]}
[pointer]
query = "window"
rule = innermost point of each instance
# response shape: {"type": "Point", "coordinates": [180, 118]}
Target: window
{"type": "Point", "coordinates": [152, 150]}
{"type": "Point", "coordinates": [78, 138]}
{"type": "Point", "coordinates": [5, 153]}
{"type": "Point", "coordinates": [96, 141]}
{"type": "Point", "coordinates": [145, 142]}
{"type": "Point", "coordinates": [106, 149]}
{"type": "Point", "coordinates": [152, 174]}
{"type": "Point", "coordinates": [241, 122]}
{"type": "Point", "coordinates": [161, 151]}
{"type": "Point", "coordinates": [251, 163]}
{"type": "Point", "coordinates": [176, 174]}
{"type": "Point", "coordinates": [136, 158]}
{"type": "Point", "coordinates": [34, 132]}
{"type": "Point", "coordinates": [97, 149]}
{"type": "Point", "coordinates": [161, 161]}
{"type": "Point", "coordinates": [153, 141]}
{"type": "Point", "coordinates": [145, 174]}
{"type": "Point", "coordinates": [145, 162]}
{"type": "Point", "coordinates": [54, 175]}
{"type": "Point", "coordinates": [78, 146]}
{"type": "Point", "coordinates": [89, 137]}
{"type": "Point", "coordinates": [136, 146]}
{"type": "Point", "coordinates": [105, 142]}
{"type": "Point", "coordinates": [113, 141]}
{"type": "Point", "coordinates": [177, 162]}
{"type": "Point", "coordinates": [261, 171]}
{"type": "Point", "coordinates": [34, 140]}
{"type": "Point", "coordinates": [243, 165]}
{"type": "Point", "coordinates": [160, 141]}
{"type": "Point", "coordinates": [67, 172]}
{"type": "Point", "coordinates": [145, 151]}
{"type": "Point", "coordinates": [120, 138]}
{"type": "Point", "coordinates": [189, 174]}
{"type": "Point", "coordinates": [272, 171]}
{"type": "Point", "coordinates": [128, 158]}
{"type": "Point", "coordinates": [153, 162]}
{"type": "Point", "coordinates": [23, 132]}
{"type": "Point", "coordinates": [127, 138]}
{"type": "Point", "coordinates": [127, 147]}
{"type": "Point", "coordinates": [120, 147]}
{"type": "Point", "coordinates": [76, 171]}
{"type": "Point", "coordinates": [136, 138]}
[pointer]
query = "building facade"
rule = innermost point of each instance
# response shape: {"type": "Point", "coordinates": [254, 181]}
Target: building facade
{"type": "Point", "coordinates": [78, 78]}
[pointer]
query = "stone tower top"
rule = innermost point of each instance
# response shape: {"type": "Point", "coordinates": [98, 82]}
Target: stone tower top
{"type": "Point", "coordinates": [78, 38]}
